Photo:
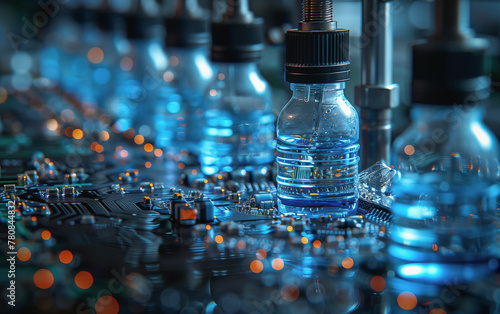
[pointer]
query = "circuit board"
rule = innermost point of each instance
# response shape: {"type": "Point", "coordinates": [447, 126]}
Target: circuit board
{"type": "Point", "coordinates": [108, 235]}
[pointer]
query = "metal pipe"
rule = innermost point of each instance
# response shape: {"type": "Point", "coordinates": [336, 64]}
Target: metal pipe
{"type": "Point", "coordinates": [376, 94]}
{"type": "Point", "coordinates": [451, 19]}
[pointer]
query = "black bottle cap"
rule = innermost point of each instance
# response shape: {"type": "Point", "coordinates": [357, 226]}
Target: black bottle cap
{"type": "Point", "coordinates": [448, 67]}
{"type": "Point", "coordinates": [235, 41]}
{"type": "Point", "coordinates": [317, 56]}
{"type": "Point", "coordinates": [185, 32]}
{"type": "Point", "coordinates": [450, 71]}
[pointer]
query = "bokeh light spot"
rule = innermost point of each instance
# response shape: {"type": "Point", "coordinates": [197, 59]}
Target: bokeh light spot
{"type": "Point", "coordinates": [256, 266]}
{"type": "Point", "coordinates": [107, 305]}
{"type": "Point", "coordinates": [66, 257]}
{"type": "Point", "coordinates": [3, 94]}
{"type": "Point", "coordinates": [43, 279]}
{"type": "Point", "coordinates": [46, 235]}
{"type": "Point", "coordinates": [261, 254]}
{"type": "Point", "coordinates": [84, 280]}
{"type": "Point", "coordinates": [347, 262]}
{"type": "Point", "coordinates": [77, 134]}
{"type": "Point", "coordinates": [377, 283]}
{"type": "Point", "coordinates": [407, 300]}
{"type": "Point", "coordinates": [290, 292]}
{"type": "Point", "coordinates": [24, 254]}
{"type": "Point", "coordinates": [95, 55]}
{"type": "Point", "coordinates": [219, 239]}
{"type": "Point", "coordinates": [148, 147]}
{"type": "Point", "coordinates": [278, 264]}
{"type": "Point", "coordinates": [409, 150]}
{"type": "Point", "coordinates": [437, 311]}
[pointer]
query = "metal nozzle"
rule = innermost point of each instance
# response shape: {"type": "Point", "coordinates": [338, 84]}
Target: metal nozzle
{"type": "Point", "coordinates": [452, 19]}
{"type": "Point", "coordinates": [238, 10]}
{"type": "Point", "coordinates": [188, 9]}
{"type": "Point", "coordinates": [317, 15]}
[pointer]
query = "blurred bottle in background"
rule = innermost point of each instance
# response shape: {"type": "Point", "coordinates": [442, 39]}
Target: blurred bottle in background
{"type": "Point", "coordinates": [238, 124]}
{"type": "Point", "coordinates": [138, 75]}
{"type": "Point", "coordinates": [446, 200]}
{"type": "Point", "coordinates": [179, 113]}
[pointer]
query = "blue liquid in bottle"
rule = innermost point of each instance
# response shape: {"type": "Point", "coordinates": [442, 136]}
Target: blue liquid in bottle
{"type": "Point", "coordinates": [318, 135]}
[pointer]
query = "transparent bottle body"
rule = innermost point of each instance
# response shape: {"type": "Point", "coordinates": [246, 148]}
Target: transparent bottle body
{"type": "Point", "coordinates": [445, 205]}
{"type": "Point", "coordinates": [318, 145]}
{"type": "Point", "coordinates": [138, 86]}
{"type": "Point", "coordinates": [238, 123]}
{"type": "Point", "coordinates": [179, 112]}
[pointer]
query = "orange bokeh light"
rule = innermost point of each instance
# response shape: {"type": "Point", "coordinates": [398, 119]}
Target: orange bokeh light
{"type": "Point", "coordinates": [104, 136]}
{"type": "Point", "coordinates": [219, 239]}
{"type": "Point", "coordinates": [139, 139]}
{"type": "Point", "coordinates": [107, 305]}
{"type": "Point", "coordinates": [261, 254]}
{"type": "Point", "coordinates": [24, 254]}
{"type": "Point", "coordinates": [290, 292]}
{"type": "Point", "coordinates": [407, 300]}
{"type": "Point", "coordinates": [46, 235]}
{"type": "Point", "coordinates": [256, 266]}
{"type": "Point", "coordinates": [65, 257]}
{"type": "Point", "coordinates": [278, 264]}
{"type": "Point", "coordinates": [158, 152]}
{"type": "Point", "coordinates": [377, 283]}
{"type": "Point", "coordinates": [95, 55]}
{"type": "Point", "coordinates": [148, 147]}
{"type": "Point", "coordinates": [84, 280]}
{"type": "Point", "coordinates": [77, 134]}
{"type": "Point", "coordinates": [347, 262]}
{"type": "Point", "coordinates": [43, 279]}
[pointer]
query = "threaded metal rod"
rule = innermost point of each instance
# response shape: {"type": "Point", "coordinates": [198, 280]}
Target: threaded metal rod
{"type": "Point", "coordinates": [317, 15]}
{"type": "Point", "coordinates": [317, 11]}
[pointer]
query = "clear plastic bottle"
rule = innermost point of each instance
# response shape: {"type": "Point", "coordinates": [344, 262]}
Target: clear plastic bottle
{"type": "Point", "coordinates": [179, 115]}
{"type": "Point", "coordinates": [318, 130]}
{"type": "Point", "coordinates": [318, 134]}
{"type": "Point", "coordinates": [444, 211]}
{"type": "Point", "coordinates": [446, 200]}
{"type": "Point", "coordinates": [239, 125]}
{"type": "Point", "coordinates": [138, 77]}
{"type": "Point", "coordinates": [187, 79]}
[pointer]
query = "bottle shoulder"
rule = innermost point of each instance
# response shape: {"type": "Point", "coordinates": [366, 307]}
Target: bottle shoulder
{"type": "Point", "coordinates": [318, 122]}
{"type": "Point", "coordinates": [428, 147]}
{"type": "Point", "coordinates": [239, 92]}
